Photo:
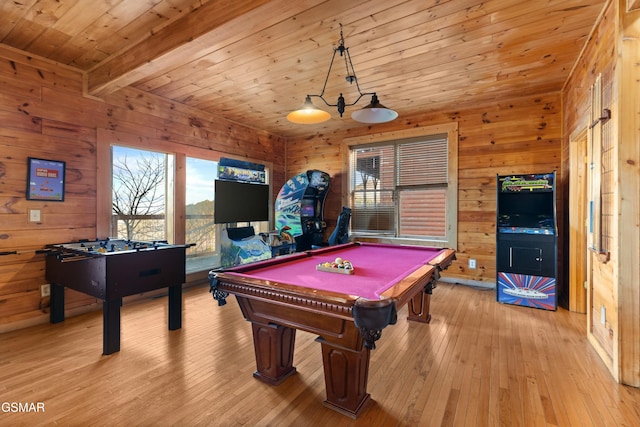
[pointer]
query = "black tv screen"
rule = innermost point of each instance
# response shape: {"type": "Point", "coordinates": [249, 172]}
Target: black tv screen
{"type": "Point", "coordinates": [240, 202]}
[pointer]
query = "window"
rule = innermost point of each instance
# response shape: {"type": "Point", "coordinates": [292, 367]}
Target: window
{"type": "Point", "coordinates": [139, 186]}
{"type": "Point", "coordinates": [160, 195]}
{"type": "Point", "coordinates": [200, 229]}
{"type": "Point", "coordinates": [404, 186]}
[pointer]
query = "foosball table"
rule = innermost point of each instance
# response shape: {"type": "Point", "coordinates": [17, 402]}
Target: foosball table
{"type": "Point", "coordinates": [111, 269]}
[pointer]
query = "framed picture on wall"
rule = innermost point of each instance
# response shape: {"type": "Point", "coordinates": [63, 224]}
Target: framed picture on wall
{"type": "Point", "coordinates": [45, 180]}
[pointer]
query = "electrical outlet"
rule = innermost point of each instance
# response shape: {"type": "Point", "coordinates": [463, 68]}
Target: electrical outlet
{"type": "Point", "coordinates": [45, 290]}
{"type": "Point", "coordinates": [603, 315]}
{"type": "Point", "coordinates": [472, 263]}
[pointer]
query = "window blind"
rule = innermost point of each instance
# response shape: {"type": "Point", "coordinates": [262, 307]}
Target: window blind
{"type": "Point", "coordinates": [399, 187]}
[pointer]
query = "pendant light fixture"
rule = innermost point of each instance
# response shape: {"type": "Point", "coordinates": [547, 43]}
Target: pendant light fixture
{"type": "Point", "coordinates": [375, 112]}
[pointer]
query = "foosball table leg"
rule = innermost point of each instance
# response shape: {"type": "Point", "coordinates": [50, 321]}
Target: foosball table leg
{"type": "Point", "coordinates": [111, 326]}
{"type": "Point", "coordinates": [175, 307]}
{"type": "Point", "coordinates": [56, 315]}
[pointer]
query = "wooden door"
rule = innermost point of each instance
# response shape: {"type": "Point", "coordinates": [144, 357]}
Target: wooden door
{"type": "Point", "coordinates": [578, 223]}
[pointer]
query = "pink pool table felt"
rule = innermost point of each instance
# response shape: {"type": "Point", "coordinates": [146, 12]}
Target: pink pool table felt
{"type": "Point", "coordinates": [377, 267]}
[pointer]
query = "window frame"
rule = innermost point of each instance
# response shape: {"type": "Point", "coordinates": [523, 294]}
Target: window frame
{"type": "Point", "coordinates": [168, 188]}
{"type": "Point", "coordinates": [175, 200]}
{"type": "Point", "coordinates": [451, 228]}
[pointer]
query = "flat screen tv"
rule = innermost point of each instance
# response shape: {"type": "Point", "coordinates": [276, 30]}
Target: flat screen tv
{"type": "Point", "coordinates": [240, 202]}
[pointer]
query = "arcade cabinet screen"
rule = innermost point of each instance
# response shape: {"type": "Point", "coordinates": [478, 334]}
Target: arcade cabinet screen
{"type": "Point", "coordinates": [307, 208]}
{"type": "Point", "coordinates": [240, 202]}
{"type": "Point", "coordinates": [527, 210]}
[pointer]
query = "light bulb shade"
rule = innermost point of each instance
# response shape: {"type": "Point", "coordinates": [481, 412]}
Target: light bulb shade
{"type": "Point", "coordinates": [374, 113]}
{"type": "Point", "coordinates": [308, 114]}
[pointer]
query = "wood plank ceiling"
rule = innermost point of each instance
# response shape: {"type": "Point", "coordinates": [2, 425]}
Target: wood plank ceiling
{"type": "Point", "coordinates": [253, 61]}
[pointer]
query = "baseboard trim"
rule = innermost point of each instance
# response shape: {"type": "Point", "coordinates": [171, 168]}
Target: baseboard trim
{"type": "Point", "coordinates": [467, 282]}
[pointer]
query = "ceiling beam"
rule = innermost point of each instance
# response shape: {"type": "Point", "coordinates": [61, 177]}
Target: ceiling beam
{"type": "Point", "coordinates": [185, 39]}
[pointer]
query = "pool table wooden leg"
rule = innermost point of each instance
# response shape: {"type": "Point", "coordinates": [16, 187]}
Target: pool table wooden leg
{"type": "Point", "coordinates": [346, 373]}
{"type": "Point", "coordinates": [273, 345]}
{"type": "Point", "coordinates": [418, 308]}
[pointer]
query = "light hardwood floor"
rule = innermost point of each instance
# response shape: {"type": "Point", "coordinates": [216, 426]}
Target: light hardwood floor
{"type": "Point", "coordinates": [478, 363]}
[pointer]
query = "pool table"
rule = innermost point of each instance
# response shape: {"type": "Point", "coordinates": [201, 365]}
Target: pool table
{"type": "Point", "coordinates": [347, 311]}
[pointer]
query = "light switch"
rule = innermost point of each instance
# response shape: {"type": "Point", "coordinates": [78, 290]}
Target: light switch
{"type": "Point", "coordinates": [34, 215]}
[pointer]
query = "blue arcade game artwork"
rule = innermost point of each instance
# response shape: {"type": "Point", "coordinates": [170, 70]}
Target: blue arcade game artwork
{"type": "Point", "coordinates": [299, 208]}
{"type": "Point", "coordinates": [288, 204]}
{"type": "Point", "coordinates": [527, 290]}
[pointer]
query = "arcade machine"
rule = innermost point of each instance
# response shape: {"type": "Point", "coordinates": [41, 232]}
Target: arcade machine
{"type": "Point", "coordinates": [300, 205]}
{"type": "Point", "coordinates": [527, 240]}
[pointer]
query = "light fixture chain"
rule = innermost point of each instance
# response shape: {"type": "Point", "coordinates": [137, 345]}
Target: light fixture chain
{"type": "Point", "coordinates": [355, 78]}
{"type": "Point", "coordinates": [372, 113]}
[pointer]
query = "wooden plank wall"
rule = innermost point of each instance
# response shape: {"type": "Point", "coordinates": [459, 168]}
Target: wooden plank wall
{"type": "Point", "coordinates": [628, 227]}
{"type": "Point", "coordinates": [612, 52]}
{"type": "Point", "coordinates": [43, 114]}
{"type": "Point", "coordinates": [599, 57]}
{"type": "Point", "coordinates": [519, 135]}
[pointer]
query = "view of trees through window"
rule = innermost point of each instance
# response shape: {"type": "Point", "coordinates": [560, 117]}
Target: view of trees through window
{"type": "Point", "coordinates": [142, 195]}
{"type": "Point", "coordinates": [139, 183]}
